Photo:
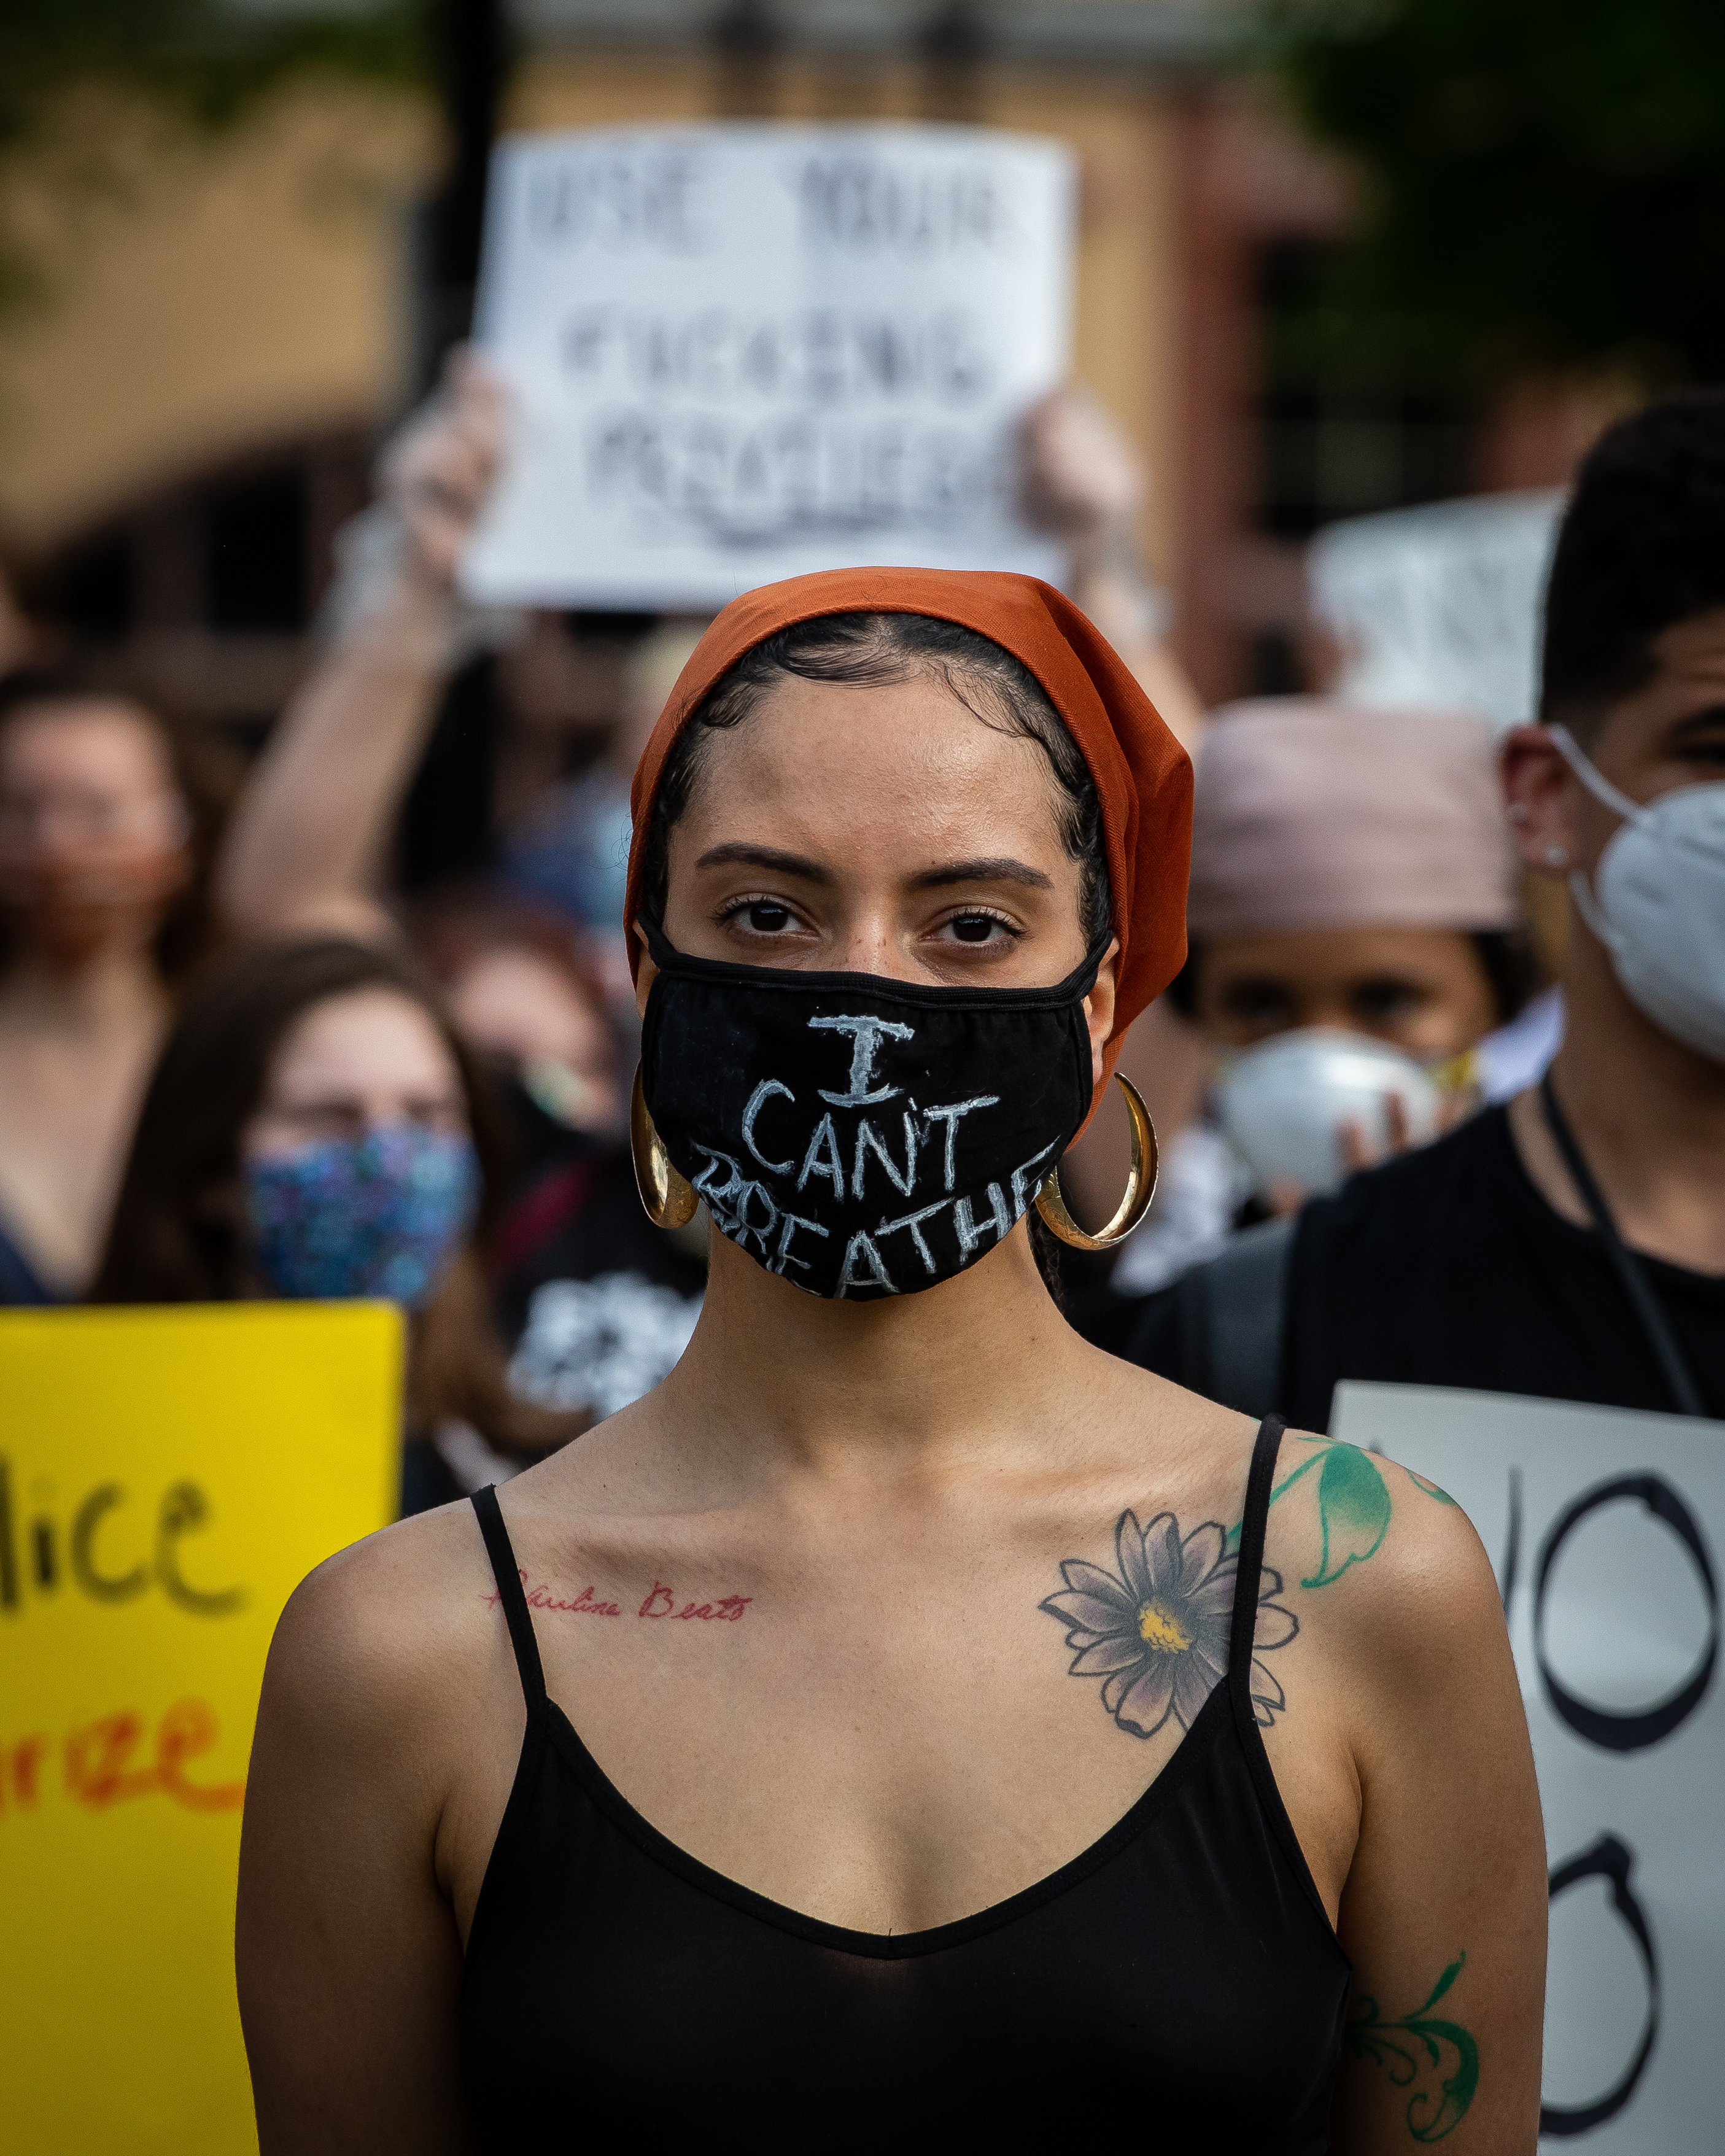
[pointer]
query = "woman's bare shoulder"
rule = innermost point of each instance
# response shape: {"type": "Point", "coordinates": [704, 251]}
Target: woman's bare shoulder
{"type": "Point", "coordinates": [1384, 1557]}
{"type": "Point", "coordinates": [388, 1628]}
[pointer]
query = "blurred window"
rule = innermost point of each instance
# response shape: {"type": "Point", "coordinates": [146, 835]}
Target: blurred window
{"type": "Point", "coordinates": [1341, 442]}
{"type": "Point", "coordinates": [94, 588]}
{"type": "Point", "coordinates": [254, 554]}
{"type": "Point", "coordinates": [1276, 668]}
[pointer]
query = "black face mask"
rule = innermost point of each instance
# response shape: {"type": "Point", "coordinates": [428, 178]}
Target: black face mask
{"type": "Point", "coordinates": [540, 1140]}
{"type": "Point", "coordinates": [859, 1137]}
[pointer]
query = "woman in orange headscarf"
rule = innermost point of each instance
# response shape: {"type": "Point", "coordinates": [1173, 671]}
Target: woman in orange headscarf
{"type": "Point", "coordinates": [841, 1847]}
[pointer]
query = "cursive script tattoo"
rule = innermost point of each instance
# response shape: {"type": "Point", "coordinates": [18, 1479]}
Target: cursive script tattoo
{"type": "Point", "coordinates": [725, 1612]}
{"type": "Point", "coordinates": [1413, 2051]}
{"type": "Point", "coordinates": [661, 1602]}
{"type": "Point", "coordinates": [584, 1605]}
{"type": "Point", "coordinates": [1156, 1631]}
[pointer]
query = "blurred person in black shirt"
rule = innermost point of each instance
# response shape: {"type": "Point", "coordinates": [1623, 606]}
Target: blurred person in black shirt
{"type": "Point", "coordinates": [1571, 1244]}
{"type": "Point", "coordinates": [522, 993]}
{"type": "Point", "coordinates": [598, 1302]}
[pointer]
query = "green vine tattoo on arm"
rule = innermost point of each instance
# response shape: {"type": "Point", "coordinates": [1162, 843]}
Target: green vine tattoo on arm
{"type": "Point", "coordinates": [1415, 2049]}
{"type": "Point", "coordinates": [1353, 1507]}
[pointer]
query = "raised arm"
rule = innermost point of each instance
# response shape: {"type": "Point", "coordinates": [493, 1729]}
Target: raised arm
{"type": "Point", "coordinates": [1085, 483]}
{"type": "Point", "coordinates": [1444, 1916]}
{"type": "Point", "coordinates": [305, 845]}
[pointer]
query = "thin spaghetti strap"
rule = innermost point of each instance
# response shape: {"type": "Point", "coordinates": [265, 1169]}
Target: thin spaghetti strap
{"type": "Point", "coordinates": [508, 1592]}
{"type": "Point", "coordinates": [1246, 1578]}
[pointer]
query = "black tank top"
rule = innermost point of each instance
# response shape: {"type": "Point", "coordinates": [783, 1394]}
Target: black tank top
{"type": "Point", "coordinates": [1179, 1980]}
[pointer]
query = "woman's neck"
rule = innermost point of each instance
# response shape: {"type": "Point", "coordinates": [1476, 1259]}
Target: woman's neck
{"type": "Point", "coordinates": [901, 1385]}
{"type": "Point", "coordinates": [113, 991]}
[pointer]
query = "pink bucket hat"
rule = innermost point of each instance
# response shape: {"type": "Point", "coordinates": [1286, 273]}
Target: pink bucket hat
{"type": "Point", "coordinates": [1312, 813]}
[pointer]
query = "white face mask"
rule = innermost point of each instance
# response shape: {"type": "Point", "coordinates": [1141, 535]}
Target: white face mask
{"type": "Point", "coordinates": [1657, 902]}
{"type": "Point", "coordinates": [1282, 1104]}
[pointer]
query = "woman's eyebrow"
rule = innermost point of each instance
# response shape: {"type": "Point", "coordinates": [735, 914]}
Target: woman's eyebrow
{"type": "Point", "coordinates": [764, 857]}
{"type": "Point", "coordinates": [993, 868]}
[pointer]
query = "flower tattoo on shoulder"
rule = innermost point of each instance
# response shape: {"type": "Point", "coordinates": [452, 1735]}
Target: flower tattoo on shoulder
{"type": "Point", "coordinates": [1156, 1631]}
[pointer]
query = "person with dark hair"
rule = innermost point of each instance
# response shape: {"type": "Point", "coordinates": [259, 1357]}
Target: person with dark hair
{"type": "Point", "coordinates": [315, 1127]}
{"type": "Point", "coordinates": [597, 1303]}
{"type": "Point", "coordinates": [110, 811]}
{"type": "Point", "coordinates": [594, 1307]}
{"type": "Point", "coordinates": [523, 994]}
{"type": "Point", "coordinates": [843, 1835]}
{"type": "Point", "coordinates": [1570, 1244]}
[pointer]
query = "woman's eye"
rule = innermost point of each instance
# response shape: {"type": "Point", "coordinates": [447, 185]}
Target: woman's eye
{"type": "Point", "coordinates": [1257, 1003]}
{"type": "Point", "coordinates": [766, 917]}
{"type": "Point", "coordinates": [1375, 1001]}
{"type": "Point", "coordinates": [978, 928]}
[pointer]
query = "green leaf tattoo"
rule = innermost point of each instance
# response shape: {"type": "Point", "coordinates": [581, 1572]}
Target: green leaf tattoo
{"type": "Point", "coordinates": [1354, 1508]}
{"type": "Point", "coordinates": [1430, 1489]}
{"type": "Point", "coordinates": [1353, 1511]}
{"type": "Point", "coordinates": [1414, 2048]}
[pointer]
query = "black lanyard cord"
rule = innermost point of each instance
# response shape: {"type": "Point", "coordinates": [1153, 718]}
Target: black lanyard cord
{"type": "Point", "coordinates": [1630, 1270]}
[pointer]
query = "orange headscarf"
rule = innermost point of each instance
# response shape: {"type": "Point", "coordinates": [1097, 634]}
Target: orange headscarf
{"type": "Point", "coordinates": [1142, 773]}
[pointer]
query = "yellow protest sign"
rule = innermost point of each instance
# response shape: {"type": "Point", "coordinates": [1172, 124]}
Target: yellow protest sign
{"type": "Point", "coordinates": [167, 1476]}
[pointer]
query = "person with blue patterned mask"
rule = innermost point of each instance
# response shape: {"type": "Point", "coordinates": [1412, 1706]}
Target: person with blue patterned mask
{"type": "Point", "coordinates": [316, 1130]}
{"type": "Point", "coordinates": [359, 1172]}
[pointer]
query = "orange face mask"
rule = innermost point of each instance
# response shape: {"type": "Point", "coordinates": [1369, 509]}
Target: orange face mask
{"type": "Point", "coordinates": [67, 905]}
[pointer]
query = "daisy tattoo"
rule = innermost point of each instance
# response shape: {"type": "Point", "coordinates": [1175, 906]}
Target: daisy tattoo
{"type": "Point", "coordinates": [1156, 1632]}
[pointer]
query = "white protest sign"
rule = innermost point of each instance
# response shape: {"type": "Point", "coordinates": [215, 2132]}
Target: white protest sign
{"type": "Point", "coordinates": [740, 352]}
{"type": "Point", "coordinates": [1603, 1526]}
{"type": "Point", "coordinates": [1439, 605]}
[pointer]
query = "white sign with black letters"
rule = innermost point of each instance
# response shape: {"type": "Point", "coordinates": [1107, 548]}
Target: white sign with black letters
{"type": "Point", "coordinates": [1604, 1528]}
{"type": "Point", "coordinates": [1440, 604]}
{"type": "Point", "coordinates": [740, 352]}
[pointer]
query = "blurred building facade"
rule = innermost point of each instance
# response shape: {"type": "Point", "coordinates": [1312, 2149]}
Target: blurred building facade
{"type": "Point", "coordinates": [189, 415]}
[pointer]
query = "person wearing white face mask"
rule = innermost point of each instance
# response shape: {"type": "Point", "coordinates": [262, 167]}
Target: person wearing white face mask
{"type": "Point", "coordinates": [1356, 932]}
{"type": "Point", "coordinates": [1571, 1244]}
{"type": "Point", "coordinates": [1356, 943]}
{"type": "Point", "coordinates": [1656, 900]}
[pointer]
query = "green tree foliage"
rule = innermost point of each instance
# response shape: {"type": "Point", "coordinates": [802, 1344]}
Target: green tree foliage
{"type": "Point", "coordinates": [202, 63]}
{"type": "Point", "coordinates": [1544, 180]}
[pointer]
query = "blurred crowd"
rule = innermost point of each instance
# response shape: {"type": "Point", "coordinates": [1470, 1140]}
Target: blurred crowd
{"type": "Point", "coordinates": [358, 1021]}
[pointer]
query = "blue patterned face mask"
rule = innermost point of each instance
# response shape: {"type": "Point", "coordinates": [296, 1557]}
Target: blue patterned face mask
{"type": "Point", "coordinates": [371, 1216]}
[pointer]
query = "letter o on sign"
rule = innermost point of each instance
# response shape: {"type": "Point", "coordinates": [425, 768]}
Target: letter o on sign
{"type": "Point", "coordinates": [1611, 1859]}
{"type": "Point", "coordinates": [1630, 1733]}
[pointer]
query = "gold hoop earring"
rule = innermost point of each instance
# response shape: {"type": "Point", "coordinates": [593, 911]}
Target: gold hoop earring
{"type": "Point", "coordinates": [667, 1195]}
{"type": "Point", "coordinates": [1140, 1184]}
